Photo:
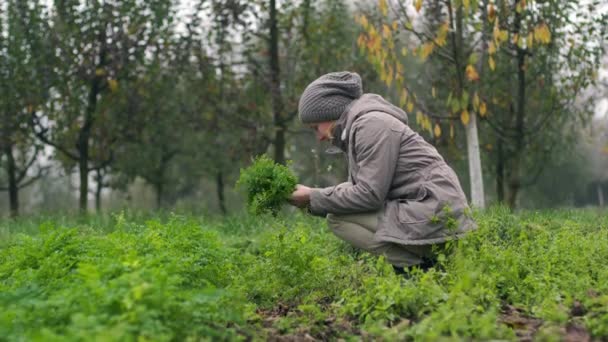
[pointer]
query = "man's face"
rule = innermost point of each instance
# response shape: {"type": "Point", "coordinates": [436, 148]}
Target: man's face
{"type": "Point", "coordinates": [323, 130]}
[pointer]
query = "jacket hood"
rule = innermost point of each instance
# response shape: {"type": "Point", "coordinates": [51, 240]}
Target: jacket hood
{"type": "Point", "coordinates": [365, 104]}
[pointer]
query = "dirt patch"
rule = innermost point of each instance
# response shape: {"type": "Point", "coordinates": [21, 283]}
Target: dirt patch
{"type": "Point", "coordinates": [524, 325]}
{"type": "Point", "coordinates": [328, 329]}
{"type": "Point", "coordinates": [576, 333]}
{"type": "Point", "coordinates": [577, 309]}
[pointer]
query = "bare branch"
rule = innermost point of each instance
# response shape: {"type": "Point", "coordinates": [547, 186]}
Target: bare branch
{"type": "Point", "coordinates": [27, 166]}
{"type": "Point", "coordinates": [422, 36]}
{"type": "Point", "coordinates": [41, 135]}
{"type": "Point", "coordinates": [41, 173]}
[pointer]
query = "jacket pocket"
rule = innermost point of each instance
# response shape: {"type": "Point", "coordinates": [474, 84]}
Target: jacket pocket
{"type": "Point", "coordinates": [419, 209]}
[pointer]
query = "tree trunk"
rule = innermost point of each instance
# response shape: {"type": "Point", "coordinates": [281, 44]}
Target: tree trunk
{"type": "Point", "coordinates": [475, 173]}
{"type": "Point", "coordinates": [83, 168]}
{"type": "Point", "coordinates": [84, 135]}
{"type": "Point", "coordinates": [514, 179]}
{"type": "Point", "coordinates": [500, 171]}
{"type": "Point", "coordinates": [473, 151]}
{"type": "Point", "coordinates": [13, 189]}
{"type": "Point", "coordinates": [220, 193]}
{"type": "Point", "coordinates": [98, 191]}
{"type": "Point", "coordinates": [275, 87]}
{"type": "Point", "coordinates": [83, 144]}
{"type": "Point", "coordinates": [159, 195]}
{"type": "Point", "coordinates": [600, 194]}
{"type": "Point", "coordinates": [279, 145]}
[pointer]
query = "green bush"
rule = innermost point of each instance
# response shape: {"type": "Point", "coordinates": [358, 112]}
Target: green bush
{"type": "Point", "coordinates": [252, 278]}
{"type": "Point", "coordinates": [267, 185]}
{"type": "Point", "coordinates": [157, 281]}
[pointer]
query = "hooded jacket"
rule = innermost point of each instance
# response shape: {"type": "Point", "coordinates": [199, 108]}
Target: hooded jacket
{"type": "Point", "coordinates": [392, 170]}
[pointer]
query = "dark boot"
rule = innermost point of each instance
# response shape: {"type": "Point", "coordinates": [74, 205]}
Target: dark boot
{"type": "Point", "coordinates": [425, 265]}
{"type": "Point", "coordinates": [399, 270]}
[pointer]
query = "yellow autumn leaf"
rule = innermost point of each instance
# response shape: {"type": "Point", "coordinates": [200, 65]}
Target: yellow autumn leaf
{"type": "Point", "coordinates": [374, 43]}
{"type": "Point", "coordinates": [491, 48]}
{"type": "Point", "coordinates": [100, 72]}
{"type": "Point", "coordinates": [364, 22]}
{"type": "Point", "coordinates": [503, 35]}
{"type": "Point", "coordinates": [410, 106]}
{"type": "Point", "coordinates": [530, 40]}
{"type": "Point", "coordinates": [471, 73]}
{"type": "Point", "coordinates": [398, 81]}
{"type": "Point", "coordinates": [403, 98]}
{"type": "Point", "coordinates": [386, 31]}
{"type": "Point", "coordinates": [475, 101]}
{"type": "Point", "coordinates": [437, 130]}
{"type": "Point", "coordinates": [426, 50]}
{"type": "Point", "coordinates": [404, 51]}
{"type": "Point", "coordinates": [442, 34]}
{"type": "Point", "coordinates": [496, 32]}
{"type": "Point", "coordinates": [419, 118]}
{"type": "Point", "coordinates": [542, 33]}
{"type": "Point", "coordinates": [434, 92]}
{"type": "Point", "coordinates": [440, 41]}
{"type": "Point", "coordinates": [451, 131]}
{"type": "Point", "coordinates": [464, 117]}
{"type": "Point", "coordinates": [361, 40]}
{"type": "Point", "coordinates": [389, 76]}
{"type": "Point", "coordinates": [520, 43]}
{"type": "Point", "coordinates": [399, 68]}
{"type": "Point", "coordinates": [418, 5]}
{"type": "Point", "coordinates": [383, 7]}
{"type": "Point", "coordinates": [492, 63]}
{"type": "Point", "coordinates": [491, 13]}
{"type": "Point", "coordinates": [372, 32]}
{"type": "Point", "coordinates": [482, 109]}
{"type": "Point", "coordinates": [515, 39]}
{"type": "Point", "coordinates": [395, 25]}
{"type": "Point", "coordinates": [466, 4]}
{"type": "Point", "coordinates": [113, 84]}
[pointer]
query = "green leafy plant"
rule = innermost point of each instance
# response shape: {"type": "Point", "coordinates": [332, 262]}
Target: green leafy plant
{"type": "Point", "coordinates": [267, 184]}
{"type": "Point", "coordinates": [254, 278]}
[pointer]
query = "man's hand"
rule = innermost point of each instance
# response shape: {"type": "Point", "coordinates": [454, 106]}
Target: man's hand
{"type": "Point", "coordinates": [301, 196]}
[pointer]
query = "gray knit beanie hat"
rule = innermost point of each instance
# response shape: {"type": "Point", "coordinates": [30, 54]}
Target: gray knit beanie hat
{"type": "Point", "coordinates": [326, 98]}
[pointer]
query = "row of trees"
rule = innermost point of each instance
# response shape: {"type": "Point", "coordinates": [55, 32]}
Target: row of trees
{"type": "Point", "coordinates": [173, 92]}
{"type": "Point", "coordinates": [518, 66]}
{"type": "Point", "coordinates": [163, 90]}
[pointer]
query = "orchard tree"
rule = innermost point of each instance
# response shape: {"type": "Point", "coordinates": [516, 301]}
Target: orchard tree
{"type": "Point", "coordinates": [541, 61]}
{"type": "Point", "coordinates": [287, 46]}
{"type": "Point", "coordinates": [25, 75]}
{"type": "Point", "coordinates": [497, 60]}
{"type": "Point", "coordinates": [453, 93]}
{"type": "Point", "coordinates": [97, 46]}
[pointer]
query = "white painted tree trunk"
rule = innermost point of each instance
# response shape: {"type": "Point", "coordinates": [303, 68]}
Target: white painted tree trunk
{"type": "Point", "coordinates": [474, 156]}
{"type": "Point", "coordinates": [600, 195]}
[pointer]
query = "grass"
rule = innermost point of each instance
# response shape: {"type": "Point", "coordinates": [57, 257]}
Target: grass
{"type": "Point", "coordinates": [537, 275]}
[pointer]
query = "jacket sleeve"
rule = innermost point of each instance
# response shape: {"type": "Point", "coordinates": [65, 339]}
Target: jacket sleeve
{"type": "Point", "coordinates": [376, 150]}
